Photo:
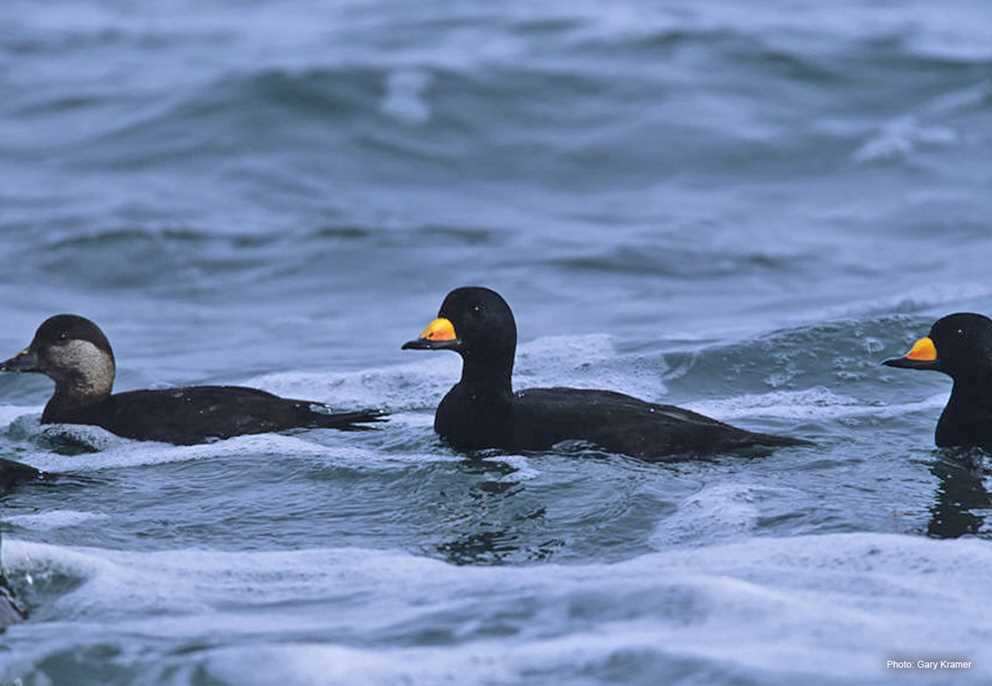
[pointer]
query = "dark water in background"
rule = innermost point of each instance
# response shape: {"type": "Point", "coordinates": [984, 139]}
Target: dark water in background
{"type": "Point", "coordinates": [739, 207]}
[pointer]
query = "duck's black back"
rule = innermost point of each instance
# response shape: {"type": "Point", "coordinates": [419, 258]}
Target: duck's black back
{"type": "Point", "coordinates": [195, 414]}
{"type": "Point", "coordinates": [539, 418]}
{"type": "Point", "coordinates": [624, 424]}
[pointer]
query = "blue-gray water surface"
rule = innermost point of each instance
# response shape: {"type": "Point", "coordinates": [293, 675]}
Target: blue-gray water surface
{"type": "Point", "coordinates": [736, 207]}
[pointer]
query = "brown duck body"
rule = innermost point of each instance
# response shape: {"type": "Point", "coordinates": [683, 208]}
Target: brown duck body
{"type": "Point", "coordinates": [195, 414]}
{"type": "Point", "coordinates": [75, 354]}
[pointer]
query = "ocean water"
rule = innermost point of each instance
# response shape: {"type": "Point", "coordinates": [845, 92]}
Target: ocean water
{"type": "Point", "coordinates": [736, 207]}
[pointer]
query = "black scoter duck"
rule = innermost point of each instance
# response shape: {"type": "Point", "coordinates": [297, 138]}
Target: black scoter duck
{"type": "Point", "coordinates": [959, 345]}
{"type": "Point", "coordinates": [482, 410]}
{"type": "Point", "coordinates": [75, 354]}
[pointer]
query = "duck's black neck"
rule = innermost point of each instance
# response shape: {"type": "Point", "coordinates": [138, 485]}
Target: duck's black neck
{"type": "Point", "coordinates": [477, 412]}
{"type": "Point", "coordinates": [967, 418]}
{"type": "Point", "coordinates": [973, 391]}
{"type": "Point", "coordinates": [492, 374]}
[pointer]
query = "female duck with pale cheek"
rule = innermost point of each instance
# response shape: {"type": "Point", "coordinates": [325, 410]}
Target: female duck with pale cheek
{"type": "Point", "coordinates": [959, 345]}
{"type": "Point", "coordinates": [482, 410]}
{"type": "Point", "coordinates": [74, 353]}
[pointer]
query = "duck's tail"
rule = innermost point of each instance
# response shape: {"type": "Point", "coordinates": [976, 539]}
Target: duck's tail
{"type": "Point", "coordinates": [358, 420]}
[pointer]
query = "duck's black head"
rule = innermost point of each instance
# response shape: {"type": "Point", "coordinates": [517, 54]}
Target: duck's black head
{"type": "Point", "coordinates": [73, 352]}
{"type": "Point", "coordinates": [476, 323]}
{"type": "Point", "coordinates": [959, 345]}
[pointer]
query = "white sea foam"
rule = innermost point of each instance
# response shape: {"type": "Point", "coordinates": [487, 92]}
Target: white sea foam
{"type": "Point", "coordinates": [9, 413]}
{"type": "Point", "coordinates": [404, 99]}
{"type": "Point", "coordinates": [127, 453]}
{"type": "Point", "coordinates": [718, 512]}
{"type": "Point", "coordinates": [816, 609]}
{"type": "Point", "coordinates": [53, 519]}
{"type": "Point", "coordinates": [522, 470]}
{"type": "Point", "coordinates": [809, 404]}
{"type": "Point", "coordinates": [900, 138]}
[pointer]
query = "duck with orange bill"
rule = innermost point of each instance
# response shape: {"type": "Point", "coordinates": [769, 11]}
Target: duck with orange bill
{"type": "Point", "coordinates": [483, 411]}
{"type": "Point", "coordinates": [76, 355]}
{"type": "Point", "coordinates": [960, 346]}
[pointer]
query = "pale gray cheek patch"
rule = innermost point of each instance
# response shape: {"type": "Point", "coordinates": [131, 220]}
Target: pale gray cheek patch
{"type": "Point", "coordinates": [93, 368]}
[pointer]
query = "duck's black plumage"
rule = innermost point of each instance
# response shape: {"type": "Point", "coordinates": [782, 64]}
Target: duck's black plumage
{"type": "Point", "coordinates": [77, 356]}
{"type": "Point", "coordinates": [959, 345]}
{"type": "Point", "coordinates": [482, 410]}
{"type": "Point", "coordinates": [13, 473]}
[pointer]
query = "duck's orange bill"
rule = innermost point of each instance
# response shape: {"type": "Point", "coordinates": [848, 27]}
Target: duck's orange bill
{"type": "Point", "coordinates": [923, 351]}
{"type": "Point", "coordinates": [440, 329]}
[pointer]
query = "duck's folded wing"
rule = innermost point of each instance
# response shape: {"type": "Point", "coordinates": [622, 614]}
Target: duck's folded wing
{"type": "Point", "coordinates": [198, 413]}
{"type": "Point", "coordinates": [622, 423]}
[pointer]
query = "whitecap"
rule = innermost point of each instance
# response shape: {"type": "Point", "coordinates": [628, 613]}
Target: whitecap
{"type": "Point", "coordinates": [53, 519]}
{"type": "Point", "coordinates": [805, 608]}
{"type": "Point", "coordinates": [717, 512]}
{"type": "Point", "coordinates": [9, 414]}
{"type": "Point", "coordinates": [811, 404]}
{"type": "Point", "coordinates": [901, 138]}
{"type": "Point", "coordinates": [404, 97]}
{"type": "Point", "coordinates": [128, 453]}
